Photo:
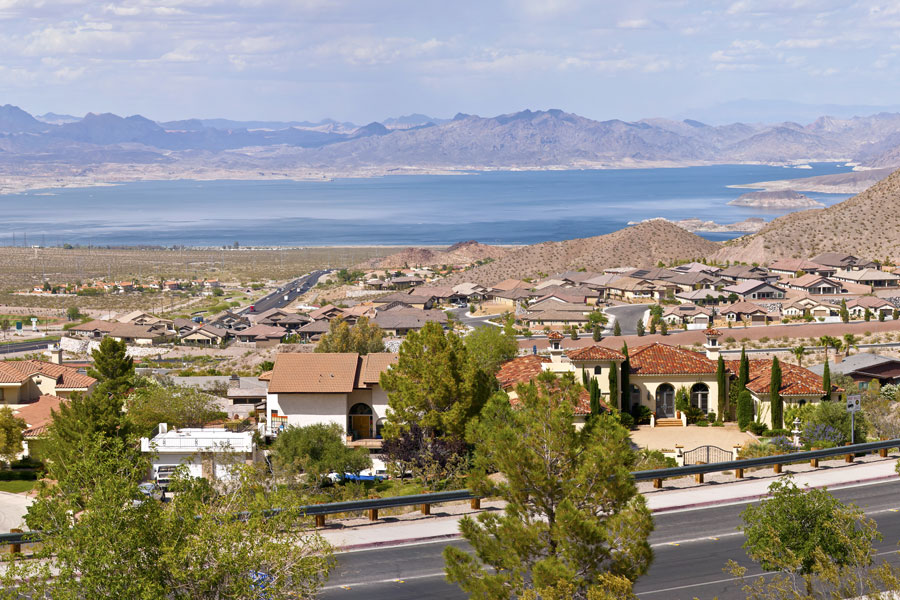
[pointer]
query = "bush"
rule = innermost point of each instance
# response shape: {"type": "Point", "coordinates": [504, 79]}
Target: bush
{"type": "Point", "coordinates": [776, 433]}
{"type": "Point", "coordinates": [693, 414]}
{"type": "Point", "coordinates": [626, 420]}
{"type": "Point", "coordinates": [717, 424]}
{"type": "Point", "coordinates": [648, 460]}
{"type": "Point", "coordinates": [27, 462]}
{"type": "Point", "coordinates": [757, 450]}
{"type": "Point", "coordinates": [820, 435]}
{"type": "Point", "coordinates": [641, 414]}
{"type": "Point", "coordinates": [18, 475]}
{"type": "Point", "coordinates": [756, 428]}
{"type": "Point", "coordinates": [711, 417]}
{"type": "Point", "coordinates": [702, 423]}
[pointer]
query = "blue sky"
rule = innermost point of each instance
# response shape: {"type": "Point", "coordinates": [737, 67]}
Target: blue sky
{"type": "Point", "coordinates": [364, 60]}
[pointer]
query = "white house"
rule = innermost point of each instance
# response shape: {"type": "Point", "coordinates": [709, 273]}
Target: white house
{"type": "Point", "coordinates": [208, 453]}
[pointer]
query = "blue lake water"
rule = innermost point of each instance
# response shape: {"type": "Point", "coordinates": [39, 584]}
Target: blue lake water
{"type": "Point", "coordinates": [495, 207]}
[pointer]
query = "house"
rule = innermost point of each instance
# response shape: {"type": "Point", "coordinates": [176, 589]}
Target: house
{"type": "Point", "coordinates": [239, 397]}
{"type": "Point", "coordinates": [815, 285]}
{"type": "Point", "coordinates": [576, 277]}
{"type": "Point", "coordinates": [327, 312]}
{"type": "Point", "coordinates": [509, 284]}
{"type": "Point", "coordinates": [399, 321]}
{"type": "Point", "coordinates": [183, 327]}
{"type": "Point", "coordinates": [207, 453]}
{"type": "Point", "coordinates": [25, 381]}
{"type": "Point", "coordinates": [470, 291]}
{"type": "Point", "coordinates": [417, 300]}
{"type": "Point", "coordinates": [143, 335]}
{"type": "Point", "coordinates": [37, 416]}
{"type": "Point", "coordinates": [842, 261]}
{"type": "Point", "coordinates": [863, 368]}
{"type": "Point", "coordinates": [95, 329]}
{"type": "Point", "coordinates": [686, 314]}
{"type": "Point", "coordinates": [695, 267]}
{"type": "Point", "coordinates": [402, 283]}
{"type": "Point", "coordinates": [509, 297]}
{"type": "Point", "coordinates": [278, 317]}
{"type": "Point", "coordinates": [341, 388]}
{"type": "Point", "coordinates": [554, 318]}
{"type": "Point", "coordinates": [792, 266]}
{"type": "Point", "coordinates": [171, 285]}
{"type": "Point", "coordinates": [871, 277]}
{"type": "Point", "coordinates": [313, 331]}
{"type": "Point", "coordinates": [702, 296]}
{"type": "Point", "coordinates": [205, 335]}
{"type": "Point", "coordinates": [231, 321]}
{"type": "Point", "coordinates": [814, 308]}
{"type": "Point", "coordinates": [139, 317]}
{"type": "Point", "coordinates": [697, 280]}
{"type": "Point", "coordinates": [754, 290]}
{"type": "Point", "coordinates": [858, 306]}
{"type": "Point", "coordinates": [745, 311]}
{"type": "Point", "coordinates": [630, 288]}
{"type": "Point", "coordinates": [263, 336]}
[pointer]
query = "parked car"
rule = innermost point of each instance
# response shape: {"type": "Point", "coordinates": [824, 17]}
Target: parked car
{"type": "Point", "coordinates": [147, 490]}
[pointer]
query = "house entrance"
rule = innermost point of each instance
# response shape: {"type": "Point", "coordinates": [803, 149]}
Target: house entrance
{"type": "Point", "coordinates": [665, 401]}
{"type": "Point", "coordinates": [359, 421]}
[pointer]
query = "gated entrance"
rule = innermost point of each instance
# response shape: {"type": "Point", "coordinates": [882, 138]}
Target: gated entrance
{"type": "Point", "coordinates": [707, 454]}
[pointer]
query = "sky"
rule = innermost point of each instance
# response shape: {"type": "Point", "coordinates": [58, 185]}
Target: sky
{"type": "Point", "coordinates": [366, 60]}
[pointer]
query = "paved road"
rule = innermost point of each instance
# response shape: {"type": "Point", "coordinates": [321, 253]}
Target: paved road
{"type": "Point", "coordinates": [14, 347]}
{"type": "Point", "coordinates": [288, 293]}
{"type": "Point", "coordinates": [12, 510]}
{"type": "Point", "coordinates": [690, 547]}
{"type": "Point", "coordinates": [627, 315]}
{"type": "Point", "coordinates": [464, 316]}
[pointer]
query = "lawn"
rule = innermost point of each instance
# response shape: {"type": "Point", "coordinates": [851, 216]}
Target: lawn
{"type": "Point", "coordinates": [16, 487]}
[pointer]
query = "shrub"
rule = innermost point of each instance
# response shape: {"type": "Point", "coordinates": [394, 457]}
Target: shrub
{"type": "Point", "coordinates": [777, 433]}
{"type": "Point", "coordinates": [717, 424]}
{"type": "Point", "coordinates": [626, 420]}
{"type": "Point", "coordinates": [756, 427]}
{"type": "Point", "coordinates": [641, 414]}
{"type": "Point", "coordinates": [18, 475]}
{"type": "Point", "coordinates": [702, 423]}
{"type": "Point", "coordinates": [744, 410]}
{"type": "Point", "coordinates": [783, 444]}
{"type": "Point", "coordinates": [653, 459]}
{"type": "Point", "coordinates": [758, 450]}
{"type": "Point", "coordinates": [693, 414]}
{"type": "Point", "coordinates": [711, 417]}
{"type": "Point", "coordinates": [820, 435]}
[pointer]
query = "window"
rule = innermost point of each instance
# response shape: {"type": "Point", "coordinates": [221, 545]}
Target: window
{"type": "Point", "coordinates": [700, 396]}
{"type": "Point", "coordinates": [597, 370]}
{"type": "Point", "coordinates": [863, 385]}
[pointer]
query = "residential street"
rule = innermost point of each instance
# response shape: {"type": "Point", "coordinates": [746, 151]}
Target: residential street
{"type": "Point", "coordinates": [627, 315]}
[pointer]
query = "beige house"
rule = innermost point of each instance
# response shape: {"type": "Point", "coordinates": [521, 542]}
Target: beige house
{"type": "Point", "coordinates": [25, 381]}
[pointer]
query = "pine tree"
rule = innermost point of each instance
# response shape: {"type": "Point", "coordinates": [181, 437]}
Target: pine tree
{"type": "Point", "coordinates": [744, 409]}
{"type": "Point", "coordinates": [721, 381]}
{"type": "Point", "coordinates": [624, 383]}
{"type": "Point", "coordinates": [826, 382]}
{"type": "Point", "coordinates": [640, 327]}
{"type": "Point", "coordinates": [113, 368]}
{"type": "Point", "coordinates": [775, 400]}
{"type": "Point", "coordinates": [617, 329]}
{"type": "Point", "coordinates": [614, 400]}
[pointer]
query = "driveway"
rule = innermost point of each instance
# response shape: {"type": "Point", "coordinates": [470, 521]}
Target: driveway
{"type": "Point", "coordinates": [690, 437]}
{"type": "Point", "coordinates": [627, 315]}
{"type": "Point", "coordinates": [12, 510]}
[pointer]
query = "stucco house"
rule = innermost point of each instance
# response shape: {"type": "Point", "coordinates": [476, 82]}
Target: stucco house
{"type": "Point", "coordinates": [25, 381]}
{"type": "Point", "coordinates": [857, 307]}
{"type": "Point", "coordinates": [207, 453]}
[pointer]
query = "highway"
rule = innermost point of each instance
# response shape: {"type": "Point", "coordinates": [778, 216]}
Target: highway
{"type": "Point", "coordinates": [690, 547]}
{"type": "Point", "coordinates": [286, 294]}
{"type": "Point", "coordinates": [13, 347]}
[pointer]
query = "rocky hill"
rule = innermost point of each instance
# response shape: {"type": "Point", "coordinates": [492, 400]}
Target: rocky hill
{"type": "Point", "coordinates": [461, 253]}
{"type": "Point", "coordinates": [642, 245]}
{"type": "Point", "coordinates": [866, 225]}
{"type": "Point", "coordinates": [781, 200]}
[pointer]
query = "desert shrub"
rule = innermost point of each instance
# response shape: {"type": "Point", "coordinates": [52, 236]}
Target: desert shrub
{"type": "Point", "coordinates": [758, 450]}
{"type": "Point", "coordinates": [653, 459]}
{"type": "Point", "coordinates": [820, 435]}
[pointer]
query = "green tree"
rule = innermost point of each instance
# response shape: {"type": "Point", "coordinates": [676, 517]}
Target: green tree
{"type": "Point", "coordinates": [744, 409]}
{"type": "Point", "coordinates": [867, 315]}
{"type": "Point", "coordinates": [617, 329]}
{"type": "Point", "coordinates": [177, 406]}
{"type": "Point", "coordinates": [663, 328]}
{"type": "Point", "coordinates": [113, 368]}
{"type": "Point", "coordinates": [315, 451]}
{"type": "Point", "coordinates": [799, 352]}
{"type": "Point", "coordinates": [597, 333]}
{"type": "Point", "coordinates": [776, 402]}
{"type": "Point", "coordinates": [653, 326]}
{"type": "Point", "coordinates": [787, 531]}
{"type": "Point", "coordinates": [624, 380]}
{"type": "Point", "coordinates": [614, 401]}
{"type": "Point", "coordinates": [489, 347]}
{"type": "Point", "coordinates": [72, 313]}
{"type": "Point", "coordinates": [97, 542]}
{"type": "Point", "coordinates": [850, 341]}
{"type": "Point", "coordinates": [435, 384]}
{"type": "Point", "coordinates": [682, 399]}
{"type": "Point", "coordinates": [555, 478]}
{"type": "Point", "coordinates": [722, 385]}
{"type": "Point", "coordinates": [743, 370]}
{"type": "Point", "coordinates": [826, 382]}
{"type": "Point", "coordinates": [11, 428]}
{"type": "Point", "coordinates": [845, 314]}
{"type": "Point", "coordinates": [594, 397]}
{"type": "Point", "coordinates": [640, 327]}
{"type": "Point", "coordinates": [364, 337]}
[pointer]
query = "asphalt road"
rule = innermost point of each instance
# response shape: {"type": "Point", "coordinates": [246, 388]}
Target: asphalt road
{"type": "Point", "coordinates": [13, 347]}
{"type": "Point", "coordinates": [288, 293]}
{"type": "Point", "coordinates": [690, 551]}
{"type": "Point", "coordinates": [627, 316]}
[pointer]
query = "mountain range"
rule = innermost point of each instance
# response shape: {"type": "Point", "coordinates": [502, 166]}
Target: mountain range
{"type": "Point", "coordinates": [110, 147]}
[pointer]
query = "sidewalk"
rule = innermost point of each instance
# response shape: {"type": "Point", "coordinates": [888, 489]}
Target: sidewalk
{"type": "Point", "coordinates": [360, 534]}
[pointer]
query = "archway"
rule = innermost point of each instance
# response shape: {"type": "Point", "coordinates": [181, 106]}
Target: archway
{"type": "Point", "coordinates": [359, 421]}
{"type": "Point", "coordinates": [700, 396]}
{"type": "Point", "coordinates": [665, 401]}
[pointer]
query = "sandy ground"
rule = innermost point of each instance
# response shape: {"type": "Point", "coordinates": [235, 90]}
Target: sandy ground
{"type": "Point", "coordinates": [666, 438]}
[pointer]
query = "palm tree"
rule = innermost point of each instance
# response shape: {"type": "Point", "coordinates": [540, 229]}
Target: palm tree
{"type": "Point", "coordinates": [799, 352]}
{"type": "Point", "coordinates": [829, 341]}
{"type": "Point", "coordinates": [850, 341]}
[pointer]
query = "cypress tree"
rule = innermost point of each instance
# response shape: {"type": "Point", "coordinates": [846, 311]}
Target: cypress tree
{"type": "Point", "coordinates": [585, 379]}
{"type": "Point", "coordinates": [721, 381]}
{"type": "Point", "coordinates": [826, 382]}
{"type": "Point", "coordinates": [744, 371]}
{"type": "Point", "coordinates": [775, 400]}
{"type": "Point", "coordinates": [617, 329]}
{"type": "Point", "coordinates": [640, 327]}
{"type": "Point", "coordinates": [624, 384]}
{"type": "Point", "coordinates": [614, 388]}
{"type": "Point", "coordinates": [595, 398]}
{"type": "Point", "coordinates": [845, 314]}
{"type": "Point", "coordinates": [744, 409]}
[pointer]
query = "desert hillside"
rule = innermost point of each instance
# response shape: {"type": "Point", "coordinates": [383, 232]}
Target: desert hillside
{"type": "Point", "coordinates": [866, 225]}
{"type": "Point", "coordinates": [461, 253]}
{"type": "Point", "coordinates": [639, 246]}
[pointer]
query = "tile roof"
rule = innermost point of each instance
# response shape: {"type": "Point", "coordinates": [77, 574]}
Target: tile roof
{"type": "Point", "coordinates": [595, 353]}
{"type": "Point", "coordinates": [742, 308]}
{"type": "Point", "coordinates": [373, 365]}
{"type": "Point", "coordinates": [263, 331]}
{"type": "Point", "coordinates": [869, 302]}
{"type": "Point", "coordinates": [555, 335]}
{"type": "Point", "coordinates": [746, 287]}
{"type": "Point", "coordinates": [867, 275]}
{"type": "Point", "coordinates": [811, 279]}
{"type": "Point", "coordinates": [521, 370]}
{"type": "Point", "coordinates": [795, 380]}
{"type": "Point", "coordinates": [509, 284]}
{"type": "Point", "coordinates": [38, 414]}
{"type": "Point", "coordinates": [798, 264]}
{"type": "Point", "coordinates": [67, 378]}
{"type": "Point", "coordinates": [310, 373]}
{"type": "Point", "coordinates": [686, 309]}
{"type": "Point", "coordinates": [556, 315]}
{"type": "Point", "coordinates": [662, 359]}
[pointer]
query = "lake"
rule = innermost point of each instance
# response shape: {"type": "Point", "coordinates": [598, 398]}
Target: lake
{"type": "Point", "coordinates": [492, 207]}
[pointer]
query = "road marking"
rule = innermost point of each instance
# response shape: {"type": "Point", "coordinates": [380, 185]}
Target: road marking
{"type": "Point", "coordinates": [705, 538]}
{"type": "Point", "coordinates": [347, 586]}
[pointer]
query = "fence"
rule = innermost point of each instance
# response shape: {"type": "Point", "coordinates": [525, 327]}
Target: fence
{"type": "Point", "coordinates": [425, 501]}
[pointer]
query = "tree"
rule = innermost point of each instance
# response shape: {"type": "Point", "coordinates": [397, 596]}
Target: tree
{"type": "Point", "coordinates": [315, 451]}
{"type": "Point", "coordinates": [743, 370]}
{"type": "Point", "coordinates": [663, 328]}
{"type": "Point", "coordinates": [845, 314]}
{"type": "Point", "coordinates": [895, 314]}
{"type": "Point", "coordinates": [867, 315]}
{"type": "Point", "coordinates": [177, 406]}
{"type": "Point", "coordinates": [113, 368]}
{"type": "Point", "coordinates": [4, 325]}
{"type": "Point", "coordinates": [682, 399]}
{"type": "Point", "coordinates": [597, 334]}
{"type": "Point", "coordinates": [72, 313]}
{"type": "Point", "coordinates": [97, 542]}
{"type": "Point", "coordinates": [828, 342]}
{"type": "Point", "coordinates": [744, 409]}
{"type": "Point", "coordinates": [640, 327]}
{"type": "Point", "coordinates": [490, 346]}
{"type": "Point", "coordinates": [364, 337]}
{"type": "Point", "coordinates": [653, 327]}
{"type": "Point", "coordinates": [617, 329]}
{"type": "Point", "coordinates": [799, 352]}
{"type": "Point", "coordinates": [624, 381]}
{"type": "Point", "coordinates": [11, 428]}
{"type": "Point", "coordinates": [435, 384]}
{"type": "Point", "coordinates": [438, 463]}
{"type": "Point", "coordinates": [721, 384]}
{"type": "Point", "coordinates": [776, 402]}
{"type": "Point", "coordinates": [826, 382]}
{"type": "Point", "coordinates": [850, 341]}
{"type": "Point", "coordinates": [594, 397]}
{"type": "Point", "coordinates": [553, 530]}
{"type": "Point", "coordinates": [788, 530]}
{"type": "Point", "coordinates": [574, 332]}
{"type": "Point", "coordinates": [614, 401]}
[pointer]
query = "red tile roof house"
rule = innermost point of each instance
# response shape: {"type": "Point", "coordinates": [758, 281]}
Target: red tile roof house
{"type": "Point", "coordinates": [24, 381]}
{"type": "Point", "coordinates": [857, 307]}
{"type": "Point", "coordinates": [342, 388]}
{"type": "Point", "coordinates": [792, 266]}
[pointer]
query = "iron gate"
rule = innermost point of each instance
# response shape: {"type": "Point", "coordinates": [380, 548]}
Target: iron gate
{"type": "Point", "coordinates": [707, 455]}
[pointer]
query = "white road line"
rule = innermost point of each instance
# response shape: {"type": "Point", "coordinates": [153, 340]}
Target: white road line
{"type": "Point", "coordinates": [380, 581]}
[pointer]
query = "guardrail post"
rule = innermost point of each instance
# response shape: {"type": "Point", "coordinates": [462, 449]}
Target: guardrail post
{"type": "Point", "coordinates": [320, 520]}
{"type": "Point", "coordinates": [657, 483]}
{"type": "Point", "coordinates": [426, 509]}
{"type": "Point", "coordinates": [814, 463]}
{"type": "Point", "coordinates": [373, 514]}
{"type": "Point", "coordinates": [698, 477]}
{"type": "Point", "coordinates": [848, 458]}
{"type": "Point", "coordinates": [15, 548]}
{"type": "Point", "coordinates": [475, 504]}
{"type": "Point", "coordinates": [883, 453]}
{"type": "Point", "coordinates": [739, 473]}
{"type": "Point", "coordinates": [777, 468]}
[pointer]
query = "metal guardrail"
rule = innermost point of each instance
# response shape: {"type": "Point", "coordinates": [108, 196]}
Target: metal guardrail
{"type": "Point", "coordinates": [319, 511]}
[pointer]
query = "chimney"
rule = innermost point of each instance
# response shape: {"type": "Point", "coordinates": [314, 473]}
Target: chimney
{"type": "Point", "coordinates": [712, 343]}
{"type": "Point", "coordinates": [54, 354]}
{"type": "Point", "coordinates": [555, 338]}
{"type": "Point", "coordinates": [234, 382]}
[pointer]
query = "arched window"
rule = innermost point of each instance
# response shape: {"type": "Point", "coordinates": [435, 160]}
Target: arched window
{"type": "Point", "coordinates": [359, 421]}
{"type": "Point", "coordinates": [597, 370]}
{"type": "Point", "coordinates": [700, 396]}
{"type": "Point", "coordinates": [665, 401]}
